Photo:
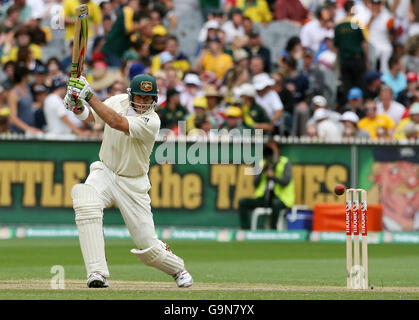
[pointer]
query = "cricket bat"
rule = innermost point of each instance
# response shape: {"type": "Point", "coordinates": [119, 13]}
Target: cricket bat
{"type": "Point", "coordinates": [80, 41]}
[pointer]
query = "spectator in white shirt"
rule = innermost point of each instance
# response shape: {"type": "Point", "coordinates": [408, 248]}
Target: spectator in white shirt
{"type": "Point", "coordinates": [380, 27]}
{"type": "Point", "coordinates": [233, 27]}
{"type": "Point", "coordinates": [315, 31]}
{"type": "Point", "coordinates": [60, 121]}
{"type": "Point", "coordinates": [327, 129]}
{"type": "Point", "coordinates": [361, 11]}
{"type": "Point", "coordinates": [267, 97]}
{"type": "Point", "coordinates": [388, 106]}
{"type": "Point", "coordinates": [191, 90]}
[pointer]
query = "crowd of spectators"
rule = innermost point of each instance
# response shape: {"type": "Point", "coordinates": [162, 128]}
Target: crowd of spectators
{"type": "Point", "coordinates": [351, 71]}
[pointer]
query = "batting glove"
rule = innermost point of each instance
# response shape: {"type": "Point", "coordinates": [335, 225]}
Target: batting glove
{"type": "Point", "coordinates": [79, 88]}
{"type": "Point", "coordinates": [71, 103]}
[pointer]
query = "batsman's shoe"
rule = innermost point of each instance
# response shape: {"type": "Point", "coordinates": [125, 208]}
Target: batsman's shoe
{"type": "Point", "coordinates": [96, 280]}
{"type": "Point", "coordinates": [183, 279]}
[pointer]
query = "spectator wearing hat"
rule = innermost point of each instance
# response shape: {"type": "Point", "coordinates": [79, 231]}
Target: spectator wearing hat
{"type": "Point", "coordinates": [102, 78]}
{"type": "Point", "coordinates": [319, 102]}
{"type": "Point", "coordinates": [20, 102]}
{"type": "Point", "coordinates": [166, 61]}
{"type": "Point", "coordinates": [234, 123]}
{"type": "Point", "coordinates": [267, 97]}
{"type": "Point", "coordinates": [394, 77]}
{"type": "Point", "coordinates": [407, 96]}
{"type": "Point", "coordinates": [208, 30]}
{"type": "Point", "coordinates": [381, 30]}
{"type": "Point", "coordinates": [256, 48]}
{"type": "Point", "coordinates": [327, 129]}
{"type": "Point", "coordinates": [292, 11]}
{"type": "Point", "coordinates": [215, 60]}
{"type": "Point", "coordinates": [257, 10]}
{"type": "Point", "coordinates": [355, 102]}
{"type": "Point", "coordinates": [387, 105]}
{"type": "Point", "coordinates": [253, 114]}
{"type": "Point", "coordinates": [39, 77]}
{"type": "Point", "coordinates": [158, 40]}
{"type": "Point", "coordinates": [214, 102]}
{"type": "Point", "coordinates": [377, 125]}
{"type": "Point", "coordinates": [39, 92]}
{"type": "Point", "coordinates": [373, 84]}
{"type": "Point", "coordinates": [408, 127]}
{"type": "Point", "coordinates": [350, 126]}
{"type": "Point", "coordinates": [173, 112]}
{"type": "Point", "coordinates": [192, 89]}
{"type": "Point", "coordinates": [61, 121]}
{"type": "Point", "coordinates": [200, 107]}
{"type": "Point", "coordinates": [352, 48]}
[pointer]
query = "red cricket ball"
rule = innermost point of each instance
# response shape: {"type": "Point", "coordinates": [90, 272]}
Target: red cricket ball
{"type": "Point", "coordinates": [339, 189]}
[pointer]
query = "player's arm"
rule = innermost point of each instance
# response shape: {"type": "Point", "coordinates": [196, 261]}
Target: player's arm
{"type": "Point", "coordinates": [79, 89]}
{"type": "Point", "coordinates": [113, 119]}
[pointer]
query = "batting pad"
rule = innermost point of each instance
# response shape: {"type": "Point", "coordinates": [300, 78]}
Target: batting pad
{"type": "Point", "coordinates": [160, 258]}
{"type": "Point", "coordinates": [89, 224]}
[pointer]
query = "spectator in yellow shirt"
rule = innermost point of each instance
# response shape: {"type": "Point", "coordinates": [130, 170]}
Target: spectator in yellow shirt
{"type": "Point", "coordinates": [215, 60]}
{"type": "Point", "coordinates": [23, 39]}
{"type": "Point", "coordinates": [409, 127]}
{"type": "Point", "coordinates": [378, 125]}
{"type": "Point", "coordinates": [94, 19]}
{"type": "Point", "coordinates": [180, 61]}
{"type": "Point", "coordinates": [256, 10]}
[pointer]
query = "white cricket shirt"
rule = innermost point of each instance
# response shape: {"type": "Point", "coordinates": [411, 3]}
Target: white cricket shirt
{"type": "Point", "coordinates": [128, 155]}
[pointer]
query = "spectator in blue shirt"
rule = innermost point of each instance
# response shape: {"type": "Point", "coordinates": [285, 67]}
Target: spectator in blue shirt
{"type": "Point", "coordinates": [394, 77]}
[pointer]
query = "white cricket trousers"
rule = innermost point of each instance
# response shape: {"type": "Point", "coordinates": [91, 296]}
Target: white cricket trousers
{"type": "Point", "coordinates": [131, 197]}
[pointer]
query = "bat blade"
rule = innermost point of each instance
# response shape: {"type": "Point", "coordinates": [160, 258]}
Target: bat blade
{"type": "Point", "coordinates": [80, 41]}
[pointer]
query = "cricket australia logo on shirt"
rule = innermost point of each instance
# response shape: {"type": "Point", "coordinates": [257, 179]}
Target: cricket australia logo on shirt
{"type": "Point", "coordinates": [146, 120]}
{"type": "Point", "coordinates": [146, 86]}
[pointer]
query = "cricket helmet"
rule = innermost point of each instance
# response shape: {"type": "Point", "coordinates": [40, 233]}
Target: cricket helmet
{"type": "Point", "coordinates": [143, 85]}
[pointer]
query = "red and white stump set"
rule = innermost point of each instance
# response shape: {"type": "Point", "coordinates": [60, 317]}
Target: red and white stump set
{"type": "Point", "coordinates": [356, 274]}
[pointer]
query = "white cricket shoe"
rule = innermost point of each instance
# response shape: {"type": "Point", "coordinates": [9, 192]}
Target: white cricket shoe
{"type": "Point", "coordinates": [183, 279]}
{"type": "Point", "coordinates": [96, 280]}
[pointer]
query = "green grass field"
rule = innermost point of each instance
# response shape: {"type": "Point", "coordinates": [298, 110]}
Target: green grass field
{"type": "Point", "coordinates": [232, 270]}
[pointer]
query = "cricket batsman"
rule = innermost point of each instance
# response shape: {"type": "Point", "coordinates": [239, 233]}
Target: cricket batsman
{"type": "Point", "coordinates": [120, 177]}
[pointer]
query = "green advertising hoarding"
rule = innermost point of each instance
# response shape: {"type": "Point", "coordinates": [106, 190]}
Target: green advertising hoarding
{"type": "Point", "coordinates": [36, 178]}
